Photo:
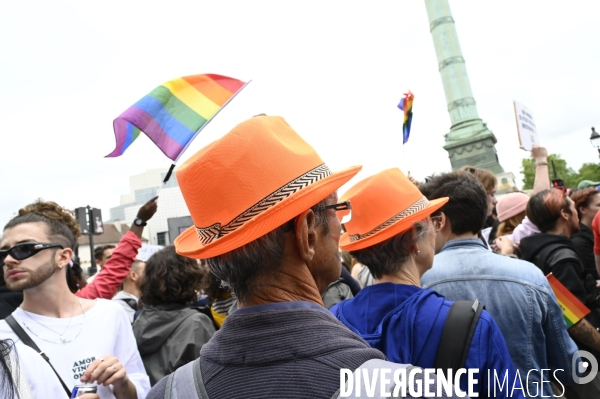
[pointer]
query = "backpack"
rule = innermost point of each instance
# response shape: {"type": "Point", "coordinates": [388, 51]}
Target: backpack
{"type": "Point", "coordinates": [336, 292]}
{"type": "Point", "coordinates": [187, 383]}
{"type": "Point", "coordinates": [541, 259]}
{"type": "Point", "coordinates": [457, 334]}
{"type": "Point", "coordinates": [588, 281]}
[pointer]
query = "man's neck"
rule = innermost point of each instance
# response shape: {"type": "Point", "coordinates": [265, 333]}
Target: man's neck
{"type": "Point", "coordinates": [52, 298]}
{"type": "Point", "coordinates": [453, 236]}
{"type": "Point", "coordinates": [559, 231]}
{"type": "Point", "coordinates": [130, 288]}
{"type": "Point", "coordinates": [286, 284]}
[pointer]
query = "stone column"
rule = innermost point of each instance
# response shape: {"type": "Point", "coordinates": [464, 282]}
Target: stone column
{"type": "Point", "coordinates": [469, 141]}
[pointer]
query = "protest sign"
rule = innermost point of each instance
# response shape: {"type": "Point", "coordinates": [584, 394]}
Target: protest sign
{"type": "Point", "coordinates": [147, 250]}
{"type": "Point", "coordinates": [528, 136]}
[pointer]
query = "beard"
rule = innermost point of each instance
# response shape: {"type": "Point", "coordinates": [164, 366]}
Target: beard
{"type": "Point", "coordinates": [37, 277]}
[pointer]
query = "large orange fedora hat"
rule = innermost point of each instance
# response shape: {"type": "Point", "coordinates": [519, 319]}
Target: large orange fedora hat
{"type": "Point", "coordinates": [384, 205]}
{"type": "Point", "coordinates": [254, 179]}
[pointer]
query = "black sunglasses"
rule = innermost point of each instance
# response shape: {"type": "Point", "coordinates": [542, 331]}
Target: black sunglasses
{"type": "Point", "coordinates": [342, 206]}
{"type": "Point", "coordinates": [25, 250]}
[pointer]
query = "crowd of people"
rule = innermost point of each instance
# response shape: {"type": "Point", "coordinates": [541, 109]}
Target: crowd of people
{"type": "Point", "coordinates": [280, 284]}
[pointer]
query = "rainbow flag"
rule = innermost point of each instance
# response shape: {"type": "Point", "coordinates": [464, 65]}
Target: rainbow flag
{"type": "Point", "coordinates": [573, 309]}
{"type": "Point", "coordinates": [406, 106]}
{"type": "Point", "coordinates": [175, 112]}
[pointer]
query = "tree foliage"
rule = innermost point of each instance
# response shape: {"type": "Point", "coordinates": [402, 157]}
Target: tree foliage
{"type": "Point", "coordinates": [588, 171]}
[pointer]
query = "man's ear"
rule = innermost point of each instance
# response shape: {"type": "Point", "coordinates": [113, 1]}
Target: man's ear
{"type": "Point", "coordinates": [445, 221]}
{"type": "Point", "coordinates": [306, 235]}
{"type": "Point", "coordinates": [64, 257]}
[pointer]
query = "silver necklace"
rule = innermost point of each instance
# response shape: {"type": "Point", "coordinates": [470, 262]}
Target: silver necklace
{"type": "Point", "coordinates": [63, 340]}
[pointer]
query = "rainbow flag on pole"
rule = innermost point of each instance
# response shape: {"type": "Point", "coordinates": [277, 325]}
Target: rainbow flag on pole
{"type": "Point", "coordinates": [573, 309]}
{"type": "Point", "coordinates": [406, 106]}
{"type": "Point", "coordinates": [175, 112]}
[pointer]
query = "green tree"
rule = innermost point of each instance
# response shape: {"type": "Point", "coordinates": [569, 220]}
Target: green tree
{"type": "Point", "coordinates": [589, 171]}
{"type": "Point", "coordinates": [569, 176]}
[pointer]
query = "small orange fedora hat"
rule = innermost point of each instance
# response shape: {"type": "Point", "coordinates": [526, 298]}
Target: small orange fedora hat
{"type": "Point", "coordinates": [257, 177]}
{"type": "Point", "coordinates": [384, 205]}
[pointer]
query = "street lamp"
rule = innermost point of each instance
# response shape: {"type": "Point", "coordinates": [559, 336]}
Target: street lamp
{"type": "Point", "coordinates": [595, 140]}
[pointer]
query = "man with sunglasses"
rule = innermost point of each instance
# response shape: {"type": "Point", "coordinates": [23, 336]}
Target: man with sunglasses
{"type": "Point", "coordinates": [108, 280]}
{"type": "Point", "coordinates": [86, 341]}
{"type": "Point", "coordinates": [552, 250]}
{"type": "Point", "coordinates": [264, 207]}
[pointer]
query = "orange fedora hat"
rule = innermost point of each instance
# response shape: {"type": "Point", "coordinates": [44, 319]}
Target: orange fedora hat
{"type": "Point", "coordinates": [254, 179]}
{"type": "Point", "coordinates": [384, 205]}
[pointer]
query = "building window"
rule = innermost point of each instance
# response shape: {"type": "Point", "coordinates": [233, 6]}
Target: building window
{"type": "Point", "coordinates": [161, 238]}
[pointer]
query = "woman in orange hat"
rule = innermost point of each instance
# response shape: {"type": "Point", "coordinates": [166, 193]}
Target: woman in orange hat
{"type": "Point", "coordinates": [391, 231]}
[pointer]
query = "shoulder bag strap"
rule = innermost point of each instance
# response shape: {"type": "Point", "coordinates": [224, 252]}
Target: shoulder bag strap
{"type": "Point", "coordinates": [26, 339]}
{"type": "Point", "coordinates": [186, 383]}
{"type": "Point", "coordinates": [457, 334]}
{"type": "Point", "coordinates": [200, 388]}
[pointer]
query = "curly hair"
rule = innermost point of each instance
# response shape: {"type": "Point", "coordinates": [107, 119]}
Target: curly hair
{"type": "Point", "coordinates": [170, 278]}
{"type": "Point", "coordinates": [60, 222]}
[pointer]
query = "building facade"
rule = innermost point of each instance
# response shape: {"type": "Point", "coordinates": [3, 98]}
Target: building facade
{"type": "Point", "coordinates": [172, 215]}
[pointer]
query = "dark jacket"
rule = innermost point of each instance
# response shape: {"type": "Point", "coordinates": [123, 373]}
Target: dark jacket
{"type": "Point", "coordinates": [563, 263]}
{"type": "Point", "coordinates": [291, 350]}
{"type": "Point", "coordinates": [169, 336]}
{"type": "Point", "coordinates": [9, 301]}
{"type": "Point", "coordinates": [584, 244]}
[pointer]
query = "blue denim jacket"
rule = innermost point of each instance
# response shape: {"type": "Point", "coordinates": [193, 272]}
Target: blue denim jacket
{"type": "Point", "coordinates": [519, 298]}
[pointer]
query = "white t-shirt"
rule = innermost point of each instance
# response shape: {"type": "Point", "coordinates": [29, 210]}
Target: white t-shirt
{"type": "Point", "coordinates": [118, 298]}
{"type": "Point", "coordinates": [42, 381]}
{"type": "Point", "coordinates": [105, 330]}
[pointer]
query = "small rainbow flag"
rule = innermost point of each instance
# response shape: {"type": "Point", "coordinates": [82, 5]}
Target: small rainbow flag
{"type": "Point", "coordinates": [573, 309]}
{"type": "Point", "coordinates": [175, 112]}
{"type": "Point", "coordinates": [406, 106]}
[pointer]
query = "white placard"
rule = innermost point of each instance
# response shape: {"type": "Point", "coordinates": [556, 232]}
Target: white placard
{"type": "Point", "coordinates": [147, 250]}
{"type": "Point", "coordinates": [528, 136]}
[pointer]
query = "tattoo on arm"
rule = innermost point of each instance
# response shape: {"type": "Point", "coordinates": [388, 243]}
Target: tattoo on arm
{"type": "Point", "coordinates": [587, 334]}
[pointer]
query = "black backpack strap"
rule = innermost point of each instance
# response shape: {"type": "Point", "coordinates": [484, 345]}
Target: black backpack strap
{"type": "Point", "coordinates": [457, 335]}
{"type": "Point", "coordinates": [26, 339]}
{"type": "Point", "coordinates": [131, 302]}
{"type": "Point", "coordinates": [541, 260]}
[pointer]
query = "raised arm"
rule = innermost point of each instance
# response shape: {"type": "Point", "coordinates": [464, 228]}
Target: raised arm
{"type": "Point", "coordinates": [542, 176]}
{"type": "Point", "coordinates": [115, 270]}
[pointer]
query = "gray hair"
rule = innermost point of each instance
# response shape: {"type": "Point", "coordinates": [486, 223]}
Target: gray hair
{"type": "Point", "coordinates": [387, 257]}
{"type": "Point", "coordinates": [241, 269]}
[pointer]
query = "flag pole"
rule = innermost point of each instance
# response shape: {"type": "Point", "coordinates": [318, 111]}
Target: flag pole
{"type": "Point", "coordinates": [168, 175]}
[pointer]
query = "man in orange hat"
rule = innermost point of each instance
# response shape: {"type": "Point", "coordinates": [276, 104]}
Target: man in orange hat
{"type": "Point", "coordinates": [515, 292]}
{"type": "Point", "coordinates": [391, 232]}
{"type": "Point", "coordinates": [264, 209]}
